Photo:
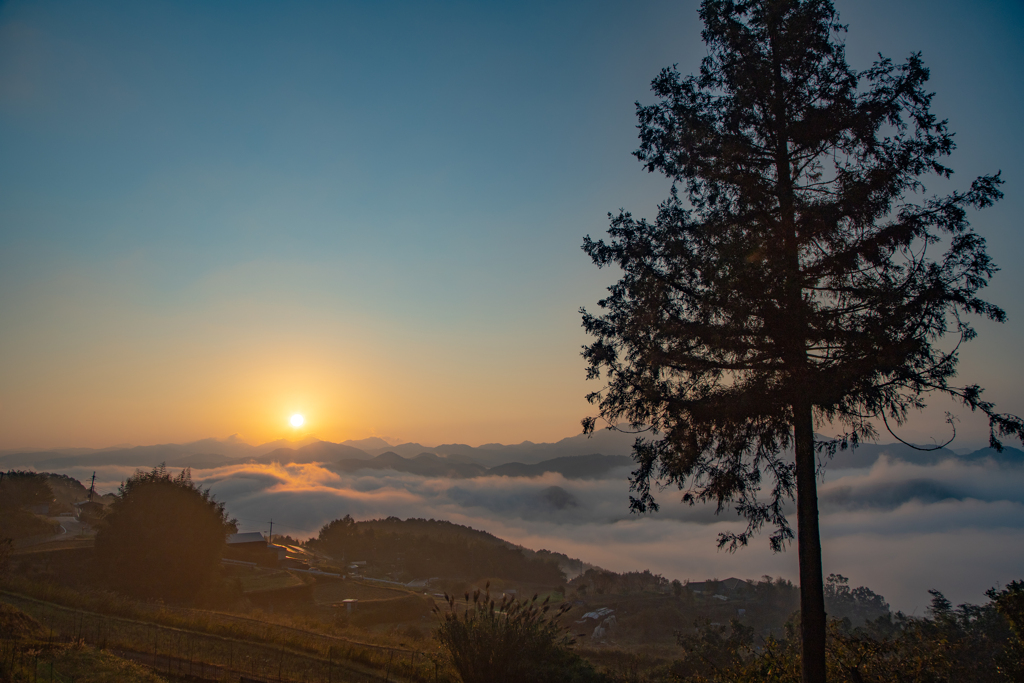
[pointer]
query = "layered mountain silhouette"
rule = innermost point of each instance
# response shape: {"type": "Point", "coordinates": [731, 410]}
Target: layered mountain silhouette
{"type": "Point", "coordinates": [202, 454]}
{"type": "Point", "coordinates": [430, 465]}
{"type": "Point", "coordinates": [604, 441]}
{"type": "Point", "coordinates": [574, 457]}
{"type": "Point", "coordinates": [318, 451]}
{"type": "Point", "coordinates": [424, 464]}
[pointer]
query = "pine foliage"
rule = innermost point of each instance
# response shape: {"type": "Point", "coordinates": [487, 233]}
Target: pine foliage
{"type": "Point", "coordinates": [793, 263]}
{"type": "Point", "coordinates": [798, 273]}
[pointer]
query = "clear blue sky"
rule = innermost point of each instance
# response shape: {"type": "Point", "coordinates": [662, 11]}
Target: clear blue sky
{"type": "Point", "coordinates": [215, 214]}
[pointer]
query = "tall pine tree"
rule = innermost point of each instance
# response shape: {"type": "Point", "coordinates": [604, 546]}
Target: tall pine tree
{"type": "Point", "coordinates": [791, 278]}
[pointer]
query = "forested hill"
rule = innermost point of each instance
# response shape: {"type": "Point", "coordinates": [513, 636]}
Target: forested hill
{"type": "Point", "coordinates": [435, 529]}
{"type": "Point", "coordinates": [424, 548]}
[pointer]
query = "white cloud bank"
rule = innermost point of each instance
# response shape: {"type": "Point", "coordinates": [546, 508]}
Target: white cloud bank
{"type": "Point", "coordinates": [895, 527]}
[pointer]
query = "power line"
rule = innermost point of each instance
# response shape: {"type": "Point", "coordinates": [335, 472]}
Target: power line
{"type": "Point", "coordinates": [250, 520]}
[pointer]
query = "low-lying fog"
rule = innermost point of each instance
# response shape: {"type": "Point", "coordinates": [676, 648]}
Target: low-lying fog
{"type": "Point", "coordinates": [956, 524]}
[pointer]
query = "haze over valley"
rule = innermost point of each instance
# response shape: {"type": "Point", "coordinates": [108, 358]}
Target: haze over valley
{"type": "Point", "coordinates": [898, 520]}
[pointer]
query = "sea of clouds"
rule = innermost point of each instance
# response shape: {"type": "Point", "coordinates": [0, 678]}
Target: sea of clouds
{"type": "Point", "coordinates": [895, 527]}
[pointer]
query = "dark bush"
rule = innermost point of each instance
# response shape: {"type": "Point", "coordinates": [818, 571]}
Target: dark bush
{"type": "Point", "coordinates": [23, 489]}
{"type": "Point", "coordinates": [163, 537]}
{"type": "Point", "coordinates": [510, 641]}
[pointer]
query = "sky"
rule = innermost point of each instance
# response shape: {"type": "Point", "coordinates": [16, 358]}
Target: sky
{"type": "Point", "coordinates": [214, 215]}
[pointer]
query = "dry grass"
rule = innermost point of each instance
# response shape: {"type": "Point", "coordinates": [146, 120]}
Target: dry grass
{"type": "Point", "coordinates": [259, 581]}
{"type": "Point", "coordinates": [85, 664]}
{"type": "Point", "coordinates": [330, 592]}
{"type": "Point", "coordinates": [29, 652]}
{"type": "Point", "coordinates": [15, 624]}
{"type": "Point", "coordinates": [251, 645]}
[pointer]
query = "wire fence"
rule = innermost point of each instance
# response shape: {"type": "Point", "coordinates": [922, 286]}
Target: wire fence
{"type": "Point", "coordinates": [186, 653]}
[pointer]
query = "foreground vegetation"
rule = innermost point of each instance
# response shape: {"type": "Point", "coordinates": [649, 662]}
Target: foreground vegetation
{"type": "Point", "coordinates": [206, 643]}
{"type": "Point", "coordinates": [29, 652]}
{"type": "Point", "coordinates": [510, 640]}
{"type": "Point", "coordinates": [514, 641]}
{"type": "Point", "coordinates": [966, 643]}
{"type": "Point", "coordinates": [62, 618]}
{"type": "Point", "coordinates": [483, 639]}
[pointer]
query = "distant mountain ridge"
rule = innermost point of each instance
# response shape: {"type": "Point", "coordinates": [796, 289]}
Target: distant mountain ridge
{"type": "Point", "coordinates": [208, 453]}
{"type": "Point", "coordinates": [318, 451]}
{"type": "Point", "coordinates": [204, 453]}
{"type": "Point", "coordinates": [592, 466]}
{"type": "Point", "coordinates": [579, 456]}
{"type": "Point", "coordinates": [603, 441]}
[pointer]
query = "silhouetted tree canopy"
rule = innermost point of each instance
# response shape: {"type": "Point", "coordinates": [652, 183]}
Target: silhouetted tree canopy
{"type": "Point", "coordinates": [1010, 603]}
{"type": "Point", "coordinates": [602, 581]}
{"type": "Point", "coordinates": [968, 642]}
{"type": "Point", "coordinates": [163, 537]}
{"type": "Point", "coordinates": [796, 273]}
{"type": "Point", "coordinates": [859, 605]}
{"type": "Point", "coordinates": [20, 489]}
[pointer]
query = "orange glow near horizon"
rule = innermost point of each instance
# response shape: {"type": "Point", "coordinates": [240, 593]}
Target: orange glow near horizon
{"type": "Point", "coordinates": [216, 370]}
{"type": "Point", "coordinates": [99, 394]}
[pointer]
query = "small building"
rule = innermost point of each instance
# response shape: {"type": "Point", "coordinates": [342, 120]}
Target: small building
{"type": "Point", "coordinates": [251, 547]}
{"type": "Point", "coordinates": [247, 538]}
{"type": "Point", "coordinates": [89, 511]}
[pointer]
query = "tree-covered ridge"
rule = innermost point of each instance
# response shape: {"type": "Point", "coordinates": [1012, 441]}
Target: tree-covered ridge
{"type": "Point", "coordinates": [419, 548]}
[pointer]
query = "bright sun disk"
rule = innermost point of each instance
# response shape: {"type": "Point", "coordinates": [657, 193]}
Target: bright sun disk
{"type": "Point", "coordinates": [297, 420]}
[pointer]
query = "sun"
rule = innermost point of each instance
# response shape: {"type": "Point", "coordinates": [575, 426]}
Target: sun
{"type": "Point", "coordinates": [297, 420]}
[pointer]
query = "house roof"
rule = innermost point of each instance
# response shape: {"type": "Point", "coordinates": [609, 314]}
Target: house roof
{"type": "Point", "coordinates": [247, 537]}
{"type": "Point", "coordinates": [729, 584]}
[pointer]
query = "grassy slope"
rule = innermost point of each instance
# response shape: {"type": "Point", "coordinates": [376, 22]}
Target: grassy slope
{"type": "Point", "coordinates": [29, 653]}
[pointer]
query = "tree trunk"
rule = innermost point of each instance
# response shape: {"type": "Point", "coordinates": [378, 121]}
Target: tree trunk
{"type": "Point", "coordinates": [812, 592]}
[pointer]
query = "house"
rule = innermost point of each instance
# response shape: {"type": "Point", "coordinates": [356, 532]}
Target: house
{"type": "Point", "coordinates": [251, 547]}
{"type": "Point", "coordinates": [247, 538]}
{"type": "Point", "coordinates": [89, 511]}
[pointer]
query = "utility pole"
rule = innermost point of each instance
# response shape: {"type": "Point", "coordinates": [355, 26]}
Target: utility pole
{"type": "Point", "coordinates": [92, 487]}
{"type": "Point", "coordinates": [270, 541]}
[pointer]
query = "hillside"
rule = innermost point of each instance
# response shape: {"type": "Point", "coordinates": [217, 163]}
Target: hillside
{"type": "Point", "coordinates": [421, 549]}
